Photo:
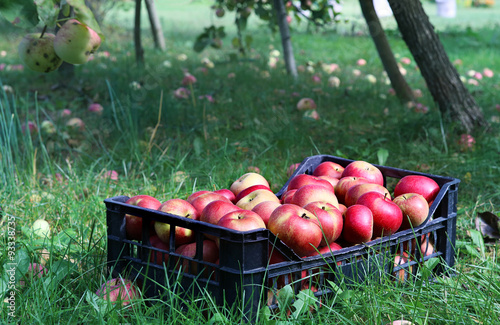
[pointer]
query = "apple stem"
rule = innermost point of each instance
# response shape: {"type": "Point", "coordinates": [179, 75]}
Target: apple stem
{"type": "Point", "coordinates": [43, 31]}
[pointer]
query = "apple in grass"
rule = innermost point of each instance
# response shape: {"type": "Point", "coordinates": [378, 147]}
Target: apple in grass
{"type": "Point", "coordinates": [75, 42]}
{"type": "Point", "coordinates": [296, 227]}
{"type": "Point", "coordinates": [345, 183]}
{"type": "Point", "coordinates": [423, 185]}
{"type": "Point", "coordinates": [265, 209]}
{"type": "Point", "coordinates": [227, 193]}
{"type": "Point", "coordinates": [387, 216]}
{"type": "Point", "coordinates": [360, 168]}
{"type": "Point", "coordinates": [354, 192]}
{"type": "Point", "coordinates": [133, 224]}
{"type": "Point", "coordinates": [181, 208]}
{"type": "Point", "coordinates": [330, 220]}
{"type": "Point", "coordinates": [249, 201]}
{"type": "Point", "coordinates": [247, 180]}
{"type": "Point", "coordinates": [312, 193]}
{"type": "Point", "coordinates": [329, 168]}
{"type": "Point", "coordinates": [242, 220]}
{"type": "Point", "coordinates": [304, 179]}
{"type": "Point", "coordinates": [119, 290]}
{"type": "Point", "coordinates": [358, 224]}
{"type": "Point", "coordinates": [203, 200]}
{"type": "Point", "coordinates": [415, 209]}
{"type": "Point", "coordinates": [215, 210]}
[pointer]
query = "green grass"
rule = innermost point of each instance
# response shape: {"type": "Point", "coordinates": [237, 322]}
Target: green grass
{"type": "Point", "coordinates": [204, 145]}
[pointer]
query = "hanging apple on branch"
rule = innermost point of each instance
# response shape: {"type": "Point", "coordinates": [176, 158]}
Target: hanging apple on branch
{"type": "Point", "coordinates": [77, 39]}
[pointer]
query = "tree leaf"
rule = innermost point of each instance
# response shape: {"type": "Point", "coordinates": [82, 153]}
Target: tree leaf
{"type": "Point", "coordinates": [20, 13]}
{"type": "Point", "coordinates": [477, 240]}
{"type": "Point", "coordinates": [382, 155]}
{"type": "Point", "coordinates": [84, 15]}
{"type": "Point", "coordinates": [488, 224]}
{"type": "Point", "coordinates": [48, 11]}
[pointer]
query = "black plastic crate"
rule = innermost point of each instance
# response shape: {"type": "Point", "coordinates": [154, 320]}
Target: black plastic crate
{"type": "Point", "coordinates": [244, 275]}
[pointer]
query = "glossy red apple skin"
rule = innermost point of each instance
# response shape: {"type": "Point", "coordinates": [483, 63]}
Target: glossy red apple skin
{"type": "Point", "coordinates": [330, 219]}
{"type": "Point", "coordinates": [312, 193]}
{"type": "Point", "coordinates": [288, 196]}
{"type": "Point", "coordinates": [247, 180]}
{"type": "Point", "coordinates": [415, 209]}
{"type": "Point", "coordinates": [265, 209]}
{"type": "Point", "coordinates": [242, 220]}
{"type": "Point", "coordinates": [249, 190]}
{"type": "Point", "coordinates": [194, 195]}
{"type": "Point", "coordinates": [133, 224]}
{"type": "Point", "coordinates": [203, 200]}
{"type": "Point", "coordinates": [360, 168]}
{"type": "Point", "coordinates": [358, 224]}
{"type": "Point", "coordinates": [227, 193]}
{"type": "Point", "coordinates": [329, 168]}
{"type": "Point", "coordinates": [303, 179]}
{"type": "Point", "coordinates": [297, 228]}
{"type": "Point", "coordinates": [354, 192]}
{"type": "Point", "coordinates": [387, 216]}
{"type": "Point", "coordinates": [423, 185]}
{"type": "Point", "coordinates": [332, 180]}
{"type": "Point", "coordinates": [215, 210]}
{"type": "Point", "coordinates": [178, 207]}
{"type": "Point", "coordinates": [345, 184]}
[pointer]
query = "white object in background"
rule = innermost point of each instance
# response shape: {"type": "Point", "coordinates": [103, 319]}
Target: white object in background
{"type": "Point", "coordinates": [382, 8]}
{"type": "Point", "coordinates": [446, 8]}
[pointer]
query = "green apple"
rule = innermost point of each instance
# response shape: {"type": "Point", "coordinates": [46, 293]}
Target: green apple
{"type": "Point", "coordinates": [38, 54]}
{"type": "Point", "coordinates": [76, 42]}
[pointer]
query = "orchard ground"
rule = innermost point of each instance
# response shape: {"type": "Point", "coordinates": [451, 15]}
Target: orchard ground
{"type": "Point", "coordinates": [239, 114]}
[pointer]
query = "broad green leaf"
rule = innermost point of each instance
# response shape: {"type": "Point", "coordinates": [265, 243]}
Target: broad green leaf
{"type": "Point", "coordinates": [22, 261]}
{"type": "Point", "coordinates": [305, 300]}
{"type": "Point", "coordinates": [48, 11]}
{"type": "Point", "coordinates": [20, 13]}
{"type": "Point", "coordinates": [198, 145]}
{"type": "Point", "coordinates": [477, 239]}
{"type": "Point", "coordinates": [85, 15]}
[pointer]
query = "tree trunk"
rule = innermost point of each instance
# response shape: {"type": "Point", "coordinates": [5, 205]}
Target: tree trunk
{"type": "Point", "coordinates": [398, 82]}
{"type": "Point", "coordinates": [156, 29]}
{"type": "Point", "coordinates": [285, 38]}
{"type": "Point", "coordinates": [454, 100]}
{"type": "Point", "coordinates": [139, 51]}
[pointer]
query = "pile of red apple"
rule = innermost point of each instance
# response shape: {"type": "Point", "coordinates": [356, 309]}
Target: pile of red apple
{"type": "Point", "coordinates": [333, 208]}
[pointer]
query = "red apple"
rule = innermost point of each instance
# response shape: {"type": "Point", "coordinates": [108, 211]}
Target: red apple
{"type": "Point", "coordinates": [354, 192]}
{"type": "Point", "coordinates": [203, 200]}
{"type": "Point", "coordinates": [247, 180]}
{"type": "Point", "coordinates": [264, 210]}
{"type": "Point", "coordinates": [423, 185]}
{"type": "Point", "coordinates": [194, 195]}
{"type": "Point", "coordinates": [415, 209]}
{"type": "Point", "coordinates": [387, 216]}
{"type": "Point", "coordinates": [250, 189]}
{"type": "Point", "coordinates": [288, 196]}
{"type": "Point", "coordinates": [312, 193]}
{"type": "Point", "coordinates": [400, 260]}
{"type": "Point", "coordinates": [216, 210]}
{"type": "Point", "coordinates": [178, 207]}
{"type": "Point", "coordinates": [304, 179]}
{"type": "Point", "coordinates": [249, 201]}
{"type": "Point", "coordinates": [133, 224]}
{"type": "Point", "coordinates": [329, 168]}
{"type": "Point", "coordinates": [242, 220]}
{"type": "Point", "coordinates": [330, 179]}
{"type": "Point", "coordinates": [360, 168]}
{"type": "Point", "coordinates": [342, 208]}
{"type": "Point", "coordinates": [345, 184]}
{"type": "Point", "coordinates": [227, 193]}
{"type": "Point", "coordinates": [297, 228]}
{"type": "Point", "coordinates": [119, 290]}
{"type": "Point", "coordinates": [156, 256]}
{"type": "Point", "coordinates": [330, 220]}
{"type": "Point", "coordinates": [210, 254]}
{"type": "Point", "coordinates": [358, 224]}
